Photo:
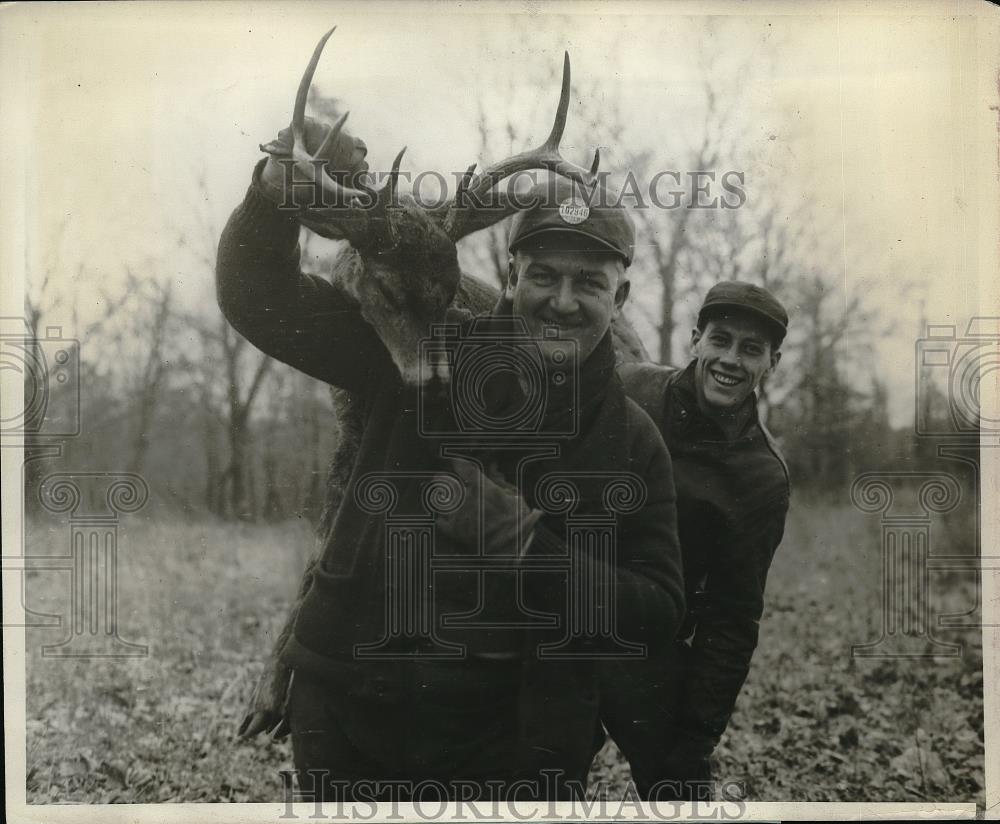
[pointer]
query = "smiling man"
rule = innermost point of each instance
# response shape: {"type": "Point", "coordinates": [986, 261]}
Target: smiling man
{"type": "Point", "coordinates": [418, 661]}
{"type": "Point", "coordinates": [567, 267]}
{"type": "Point", "coordinates": [668, 713]}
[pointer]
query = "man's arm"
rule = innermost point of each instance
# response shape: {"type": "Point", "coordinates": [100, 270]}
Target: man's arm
{"type": "Point", "coordinates": [646, 568]}
{"type": "Point", "coordinates": [299, 319]}
{"type": "Point", "coordinates": [727, 615]}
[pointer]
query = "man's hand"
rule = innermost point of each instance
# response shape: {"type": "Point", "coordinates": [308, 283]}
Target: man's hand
{"type": "Point", "coordinates": [506, 523]}
{"type": "Point", "coordinates": [345, 160]}
{"type": "Point", "coordinates": [266, 712]}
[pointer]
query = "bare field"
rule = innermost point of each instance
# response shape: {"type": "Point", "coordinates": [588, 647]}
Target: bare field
{"type": "Point", "coordinates": [812, 724]}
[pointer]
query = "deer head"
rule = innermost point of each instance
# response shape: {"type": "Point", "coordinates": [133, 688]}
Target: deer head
{"type": "Point", "coordinates": [403, 269]}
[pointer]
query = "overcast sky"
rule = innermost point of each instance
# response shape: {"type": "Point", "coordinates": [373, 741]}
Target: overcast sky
{"type": "Point", "coordinates": [882, 122]}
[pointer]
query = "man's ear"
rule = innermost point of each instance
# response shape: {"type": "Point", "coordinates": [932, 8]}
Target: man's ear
{"type": "Point", "coordinates": [511, 275]}
{"type": "Point", "coordinates": [621, 293]}
{"type": "Point", "coordinates": [695, 337]}
{"type": "Point", "coordinates": [775, 360]}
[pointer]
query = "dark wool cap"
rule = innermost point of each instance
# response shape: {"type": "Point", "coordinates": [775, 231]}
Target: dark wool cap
{"type": "Point", "coordinates": [562, 206]}
{"type": "Point", "coordinates": [736, 294]}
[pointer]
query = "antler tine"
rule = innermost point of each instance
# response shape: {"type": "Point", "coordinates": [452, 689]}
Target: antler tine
{"type": "Point", "coordinates": [463, 184]}
{"type": "Point", "coordinates": [299, 112]}
{"type": "Point", "coordinates": [559, 125]}
{"type": "Point", "coordinates": [383, 196]}
{"type": "Point", "coordinates": [394, 174]}
{"type": "Point", "coordinates": [332, 135]}
{"type": "Point", "coordinates": [304, 161]}
{"type": "Point", "coordinates": [545, 156]}
{"type": "Point", "coordinates": [596, 164]}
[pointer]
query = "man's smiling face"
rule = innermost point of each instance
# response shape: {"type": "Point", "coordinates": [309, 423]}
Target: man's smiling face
{"type": "Point", "coordinates": [734, 353]}
{"type": "Point", "coordinates": [578, 290]}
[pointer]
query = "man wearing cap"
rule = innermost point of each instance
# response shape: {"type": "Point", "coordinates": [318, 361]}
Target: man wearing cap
{"type": "Point", "coordinates": [668, 712]}
{"type": "Point", "coordinates": [460, 702]}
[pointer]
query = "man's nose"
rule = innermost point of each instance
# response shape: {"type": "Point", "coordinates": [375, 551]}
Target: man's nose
{"type": "Point", "coordinates": [564, 299]}
{"type": "Point", "coordinates": [731, 356]}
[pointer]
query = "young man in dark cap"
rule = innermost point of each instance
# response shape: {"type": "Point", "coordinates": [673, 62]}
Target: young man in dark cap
{"type": "Point", "coordinates": [668, 712]}
{"type": "Point", "coordinates": [464, 703]}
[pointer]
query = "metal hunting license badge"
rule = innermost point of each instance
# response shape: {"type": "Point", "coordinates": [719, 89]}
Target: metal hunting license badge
{"type": "Point", "coordinates": [574, 212]}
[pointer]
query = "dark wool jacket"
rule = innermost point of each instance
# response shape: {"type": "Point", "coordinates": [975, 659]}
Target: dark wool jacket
{"type": "Point", "coordinates": [732, 499]}
{"type": "Point", "coordinates": [305, 322]}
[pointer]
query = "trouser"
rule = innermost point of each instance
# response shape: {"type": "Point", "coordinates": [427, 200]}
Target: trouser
{"type": "Point", "coordinates": [405, 731]}
{"type": "Point", "coordinates": [640, 710]}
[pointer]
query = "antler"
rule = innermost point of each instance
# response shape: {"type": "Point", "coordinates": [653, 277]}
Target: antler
{"type": "Point", "coordinates": [463, 217]}
{"type": "Point", "coordinates": [305, 162]}
{"type": "Point", "coordinates": [345, 216]}
{"type": "Point", "coordinates": [360, 214]}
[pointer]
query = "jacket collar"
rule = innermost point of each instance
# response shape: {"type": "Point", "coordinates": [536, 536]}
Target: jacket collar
{"type": "Point", "coordinates": [691, 415]}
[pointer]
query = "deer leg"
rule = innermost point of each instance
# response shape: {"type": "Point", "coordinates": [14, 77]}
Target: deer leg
{"type": "Point", "coordinates": [266, 709]}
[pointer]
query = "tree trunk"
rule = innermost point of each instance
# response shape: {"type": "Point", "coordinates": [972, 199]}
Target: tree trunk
{"type": "Point", "coordinates": [272, 500]}
{"type": "Point", "coordinates": [238, 506]}
{"type": "Point", "coordinates": [251, 487]}
{"type": "Point", "coordinates": [667, 269]}
{"type": "Point", "coordinates": [667, 318]}
{"type": "Point", "coordinates": [140, 441]}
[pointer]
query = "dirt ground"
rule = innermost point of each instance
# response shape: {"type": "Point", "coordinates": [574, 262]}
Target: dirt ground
{"type": "Point", "coordinates": [813, 723]}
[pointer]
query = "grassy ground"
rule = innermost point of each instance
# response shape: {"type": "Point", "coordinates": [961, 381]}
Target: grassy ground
{"type": "Point", "coordinates": [812, 723]}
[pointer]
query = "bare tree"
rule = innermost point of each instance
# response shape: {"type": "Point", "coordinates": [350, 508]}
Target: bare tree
{"type": "Point", "coordinates": [151, 330]}
{"type": "Point", "coordinates": [245, 371]}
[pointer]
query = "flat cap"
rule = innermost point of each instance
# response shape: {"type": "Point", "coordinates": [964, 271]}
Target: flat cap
{"type": "Point", "coordinates": [560, 206]}
{"type": "Point", "coordinates": [752, 298]}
